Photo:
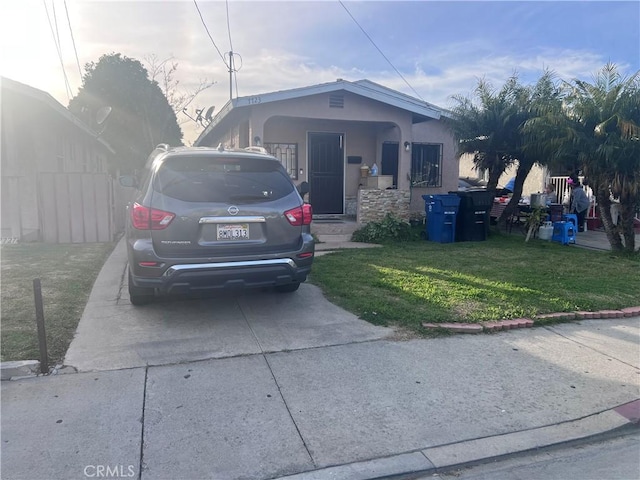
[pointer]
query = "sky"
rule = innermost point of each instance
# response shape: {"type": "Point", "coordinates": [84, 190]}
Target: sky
{"type": "Point", "coordinates": [428, 49]}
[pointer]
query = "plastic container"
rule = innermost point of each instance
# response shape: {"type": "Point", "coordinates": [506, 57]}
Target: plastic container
{"type": "Point", "coordinates": [374, 170]}
{"type": "Point", "coordinates": [545, 231]}
{"type": "Point", "coordinates": [564, 233]}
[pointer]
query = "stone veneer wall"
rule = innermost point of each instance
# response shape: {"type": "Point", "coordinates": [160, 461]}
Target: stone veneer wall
{"type": "Point", "coordinates": [351, 206]}
{"type": "Point", "coordinates": [374, 204]}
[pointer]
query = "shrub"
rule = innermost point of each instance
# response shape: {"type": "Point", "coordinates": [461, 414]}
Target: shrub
{"type": "Point", "coordinates": [390, 228]}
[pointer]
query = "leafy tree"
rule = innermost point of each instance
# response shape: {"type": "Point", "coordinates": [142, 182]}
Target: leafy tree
{"type": "Point", "coordinates": [179, 98]}
{"type": "Point", "coordinates": [140, 117]}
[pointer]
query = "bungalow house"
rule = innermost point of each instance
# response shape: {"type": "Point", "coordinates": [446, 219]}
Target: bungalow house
{"type": "Point", "coordinates": [332, 134]}
{"type": "Point", "coordinates": [54, 185]}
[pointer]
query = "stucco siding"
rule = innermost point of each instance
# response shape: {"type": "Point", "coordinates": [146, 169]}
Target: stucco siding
{"type": "Point", "coordinates": [437, 132]}
{"type": "Point", "coordinates": [365, 122]}
{"type": "Point", "coordinates": [534, 183]}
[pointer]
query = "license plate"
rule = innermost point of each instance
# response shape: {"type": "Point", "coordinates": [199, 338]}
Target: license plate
{"type": "Point", "coordinates": [233, 232]}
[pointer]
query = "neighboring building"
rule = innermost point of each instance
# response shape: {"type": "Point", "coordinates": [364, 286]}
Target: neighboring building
{"type": "Point", "coordinates": [534, 183]}
{"type": "Point", "coordinates": [40, 141]}
{"type": "Point", "coordinates": [326, 134]}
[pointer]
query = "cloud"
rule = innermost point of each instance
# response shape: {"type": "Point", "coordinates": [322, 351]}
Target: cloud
{"type": "Point", "coordinates": [441, 48]}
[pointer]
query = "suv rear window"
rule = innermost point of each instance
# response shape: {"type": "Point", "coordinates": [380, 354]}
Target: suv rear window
{"type": "Point", "coordinates": [223, 180]}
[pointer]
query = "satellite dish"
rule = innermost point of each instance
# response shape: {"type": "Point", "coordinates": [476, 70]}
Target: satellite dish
{"type": "Point", "coordinates": [207, 116]}
{"type": "Point", "coordinates": [102, 115]}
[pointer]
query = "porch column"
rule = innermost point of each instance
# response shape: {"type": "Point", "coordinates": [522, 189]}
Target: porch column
{"type": "Point", "coordinates": [404, 160]}
{"type": "Point", "coordinates": [256, 131]}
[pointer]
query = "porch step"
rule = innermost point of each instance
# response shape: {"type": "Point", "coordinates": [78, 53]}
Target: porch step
{"type": "Point", "coordinates": [341, 227]}
{"type": "Point", "coordinates": [334, 238]}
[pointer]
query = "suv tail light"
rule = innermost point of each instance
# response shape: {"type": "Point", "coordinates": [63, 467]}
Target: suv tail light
{"type": "Point", "coordinates": [300, 215]}
{"type": "Point", "coordinates": [145, 218]}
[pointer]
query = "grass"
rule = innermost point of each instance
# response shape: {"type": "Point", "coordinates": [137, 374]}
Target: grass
{"type": "Point", "coordinates": [401, 284]}
{"type": "Point", "coordinates": [405, 284]}
{"type": "Point", "coordinates": [67, 273]}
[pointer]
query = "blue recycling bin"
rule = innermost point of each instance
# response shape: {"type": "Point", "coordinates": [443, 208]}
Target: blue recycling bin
{"type": "Point", "coordinates": [441, 211]}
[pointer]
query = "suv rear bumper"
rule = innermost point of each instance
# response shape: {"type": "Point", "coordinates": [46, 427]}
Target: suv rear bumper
{"type": "Point", "coordinates": [183, 278]}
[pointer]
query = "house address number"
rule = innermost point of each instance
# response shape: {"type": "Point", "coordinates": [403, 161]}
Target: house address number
{"type": "Point", "coordinates": [254, 100]}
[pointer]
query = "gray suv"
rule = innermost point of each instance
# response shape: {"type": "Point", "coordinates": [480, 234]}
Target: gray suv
{"type": "Point", "coordinates": [211, 219]}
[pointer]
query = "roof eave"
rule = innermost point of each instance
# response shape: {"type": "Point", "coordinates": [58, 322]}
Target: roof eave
{"type": "Point", "coordinates": [47, 99]}
{"type": "Point", "coordinates": [421, 110]}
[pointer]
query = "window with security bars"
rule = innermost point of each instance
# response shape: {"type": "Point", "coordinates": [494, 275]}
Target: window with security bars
{"type": "Point", "coordinates": [287, 153]}
{"type": "Point", "coordinates": [426, 165]}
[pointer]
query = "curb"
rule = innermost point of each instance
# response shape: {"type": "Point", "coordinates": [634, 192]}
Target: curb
{"type": "Point", "coordinates": [538, 320]}
{"type": "Point", "coordinates": [19, 369]}
{"type": "Point", "coordinates": [444, 458]}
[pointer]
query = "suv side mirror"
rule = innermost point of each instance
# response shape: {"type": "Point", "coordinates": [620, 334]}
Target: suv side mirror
{"type": "Point", "coordinates": [303, 188]}
{"type": "Point", "coordinates": [128, 181]}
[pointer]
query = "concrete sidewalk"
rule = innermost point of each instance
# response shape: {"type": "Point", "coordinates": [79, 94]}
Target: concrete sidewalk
{"type": "Point", "coordinates": [334, 398]}
{"type": "Point", "coordinates": [361, 410]}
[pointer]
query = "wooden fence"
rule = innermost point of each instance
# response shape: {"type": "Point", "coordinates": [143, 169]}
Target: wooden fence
{"type": "Point", "coordinates": [77, 207]}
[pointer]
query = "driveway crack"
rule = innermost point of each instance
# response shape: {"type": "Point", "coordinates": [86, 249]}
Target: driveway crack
{"type": "Point", "coordinates": [144, 406]}
{"type": "Point", "coordinates": [304, 443]}
{"type": "Point", "coordinates": [275, 380]}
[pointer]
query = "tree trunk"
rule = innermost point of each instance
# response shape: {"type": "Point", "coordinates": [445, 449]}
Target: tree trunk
{"type": "Point", "coordinates": [494, 174]}
{"type": "Point", "coordinates": [604, 209]}
{"type": "Point", "coordinates": [625, 225]}
{"type": "Point", "coordinates": [521, 175]}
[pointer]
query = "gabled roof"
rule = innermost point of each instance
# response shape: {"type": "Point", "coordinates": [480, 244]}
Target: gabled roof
{"type": "Point", "coordinates": [43, 97]}
{"type": "Point", "coordinates": [365, 88]}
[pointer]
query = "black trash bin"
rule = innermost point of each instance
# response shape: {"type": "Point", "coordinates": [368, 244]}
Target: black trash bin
{"type": "Point", "coordinates": [441, 213]}
{"type": "Point", "coordinates": [472, 221]}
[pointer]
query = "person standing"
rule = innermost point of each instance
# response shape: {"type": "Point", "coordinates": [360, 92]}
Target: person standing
{"type": "Point", "coordinates": [579, 202]}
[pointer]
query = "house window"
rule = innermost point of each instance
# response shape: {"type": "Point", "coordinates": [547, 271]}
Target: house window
{"type": "Point", "coordinates": [287, 153]}
{"type": "Point", "coordinates": [426, 165]}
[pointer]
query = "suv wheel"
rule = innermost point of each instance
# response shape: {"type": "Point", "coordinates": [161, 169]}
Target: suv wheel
{"type": "Point", "coordinates": [139, 295]}
{"type": "Point", "coordinates": [290, 287]}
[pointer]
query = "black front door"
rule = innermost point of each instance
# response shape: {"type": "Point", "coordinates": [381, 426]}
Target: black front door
{"type": "Point", "coordinates": [390, 161]}
{"type": "Point", "coordinates": [326, 173]}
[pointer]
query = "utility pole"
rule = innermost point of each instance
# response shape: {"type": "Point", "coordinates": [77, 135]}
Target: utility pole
{"type": "Point", "coordinates": [231, 75]}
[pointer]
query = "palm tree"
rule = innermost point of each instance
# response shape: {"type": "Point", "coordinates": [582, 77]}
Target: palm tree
{"type": "Point", "coordinates": [598, 132]}
{"type": "Point", "coordinates": [494, 130]}
{"type": "Point", "coordinates": [544, 96]}
{"type": "Point", "coordinates": [488, 129]}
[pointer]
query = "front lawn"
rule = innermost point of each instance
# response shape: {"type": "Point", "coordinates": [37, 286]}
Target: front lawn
{"type": "Point", "coordinates": [66, 273]}
{"type": "Point", "coordinates": [408, 283]}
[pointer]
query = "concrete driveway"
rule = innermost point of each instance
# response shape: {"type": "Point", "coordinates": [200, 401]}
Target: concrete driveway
{"type": "Point", "coordinates": [113, 334]}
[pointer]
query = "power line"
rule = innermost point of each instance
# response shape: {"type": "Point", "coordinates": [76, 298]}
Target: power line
{"type": "Point", "coordinates": [231, 60]}
{"type": "Point", "coordinates": [231, 64]}
{"type": "Point", "coordinates": [229, 26]}
{"type": "Point", "coordinates": [210, 37]}
{"type": "Point", "coordinates": [380, 51]}
{"type": "Point", "coordinates": [73, 40]}
{"type": "Point", "coordinates": [57, 44]}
